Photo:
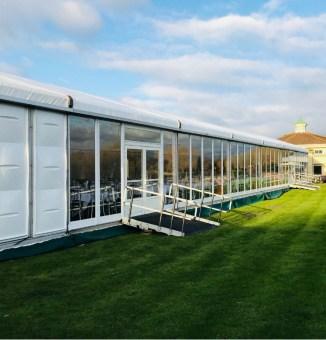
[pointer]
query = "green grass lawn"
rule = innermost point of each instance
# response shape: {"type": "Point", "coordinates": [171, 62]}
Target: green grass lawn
{"type": "Point", "coordinates": [262, 274]}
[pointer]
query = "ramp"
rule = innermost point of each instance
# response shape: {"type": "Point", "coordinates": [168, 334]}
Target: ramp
{"type": "Point", "coordinates": [304, 186]}
{"type": "Point", "coordinates": [173, 221]}
{"type": "Point", "coordinates": [169, 225]}
{"type": "Point", "coordinates": [305, 182]}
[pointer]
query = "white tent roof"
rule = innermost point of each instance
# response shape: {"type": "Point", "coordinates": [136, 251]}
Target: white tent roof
{"type": "Point", "coordinates": [21, 90]}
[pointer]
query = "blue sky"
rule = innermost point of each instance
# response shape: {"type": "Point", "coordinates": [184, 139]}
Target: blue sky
{"type": "Point", "coordinates": [252, 65]}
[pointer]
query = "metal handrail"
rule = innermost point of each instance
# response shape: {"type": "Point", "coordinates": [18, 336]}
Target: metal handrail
{"type": "Point", "coordinates": [203, 194]}
{"type": "Point", "coordinates": [306, 180]}
{"type": "Point", "coordinates": [159, 194]}
{"type": "Point", "coordinates": [308, 177]}
{"type": "Point", "coordinates": [198, 190]}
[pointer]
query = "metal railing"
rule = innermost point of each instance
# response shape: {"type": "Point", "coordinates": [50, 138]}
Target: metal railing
{"type": "Point", "coordinates": [214, 198]}
{"type": "Point", "coordinates": [312, 179]}
{"type": "Point", "coordinates": [309, 180]}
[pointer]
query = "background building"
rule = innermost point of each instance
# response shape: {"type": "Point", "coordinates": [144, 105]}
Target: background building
{"type": "Point", "coordinates": [314, 144]}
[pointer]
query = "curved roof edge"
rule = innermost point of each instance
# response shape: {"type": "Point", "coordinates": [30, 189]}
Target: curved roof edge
{"type": "Point", "coordinates": [30, 92]}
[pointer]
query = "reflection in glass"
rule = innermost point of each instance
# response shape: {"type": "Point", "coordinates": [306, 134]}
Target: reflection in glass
{"type": "Point", "coordinates": [110, 168]}
{"type": "Point", "coordinates": [247, 160]}
{"type": "Point", "coordinates": [168, 138]}
{"type": "Point", "coordinates": [208, 178]}
{"type": "Point", "coordinates": [82, 168]}
{"type": "Point", "coordinates": [268, 162]}
{"type": "Point", "coordinates": [196, 166]}
{"type": "Point", "coordinates": [134, 170]}
{"type": "Point", "coordinates": [142, 135]}
{"type": "Point", "coordinates": [226, 167]}
{"type": "Point", "coordinates": [152, 171]}
{"type": "Point", "coordinates": [264, 167]}
{"type": "Point", "coordinates": [259, 167]}
{"type": "Point", "coordinates": [183, 163]}
{"type": "Point", "coordinates": [273, 168]}
{"type": "Point", "coordinates": [234, 167]}
{"type": "Point", "coordinates": [241, 167]}
{"type": "Point", "coordinates": [279, 169]}
{"type": "Point", "coordinates": [218, 167]}
{"type": "Point", "coordinates": [254, 166]}
{"type": "Point", "coordinates": [286, 166]}
{"type": "Point", "coordinates": [291, 165]}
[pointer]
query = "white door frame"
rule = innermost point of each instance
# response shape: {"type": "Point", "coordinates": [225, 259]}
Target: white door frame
{"type": "Point", "coordinates": [130, 145]}
{"type": "Point", "coordinates": [143, 147]}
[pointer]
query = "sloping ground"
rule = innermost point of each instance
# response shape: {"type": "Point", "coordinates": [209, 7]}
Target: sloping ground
{"type": "Point", "coordinates": [262, 274]}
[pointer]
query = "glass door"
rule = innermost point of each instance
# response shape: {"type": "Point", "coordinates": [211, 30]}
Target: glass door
{"type": "Point", "coordinates": [135, 170]}
{"type": "Point", "coordinates": [143, 170]}
{"type": "Point", "coordinates": [152, 171]}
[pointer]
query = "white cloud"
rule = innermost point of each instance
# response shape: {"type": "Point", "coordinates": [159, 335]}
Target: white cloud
{"type": "Point", "coordinates": [262, 97]}
{"type": "Point", "coordinates": [66, 14]}
{"type": "Point", "coordinates": [122, 4]}
{"type": "Point", "coordinates": [273, 5]}
{"type": "Point", "coordinates": [23, 21]}
{"type": "Point", "coordinates": [308, 31]}
{"type": "Point", "coordinates": [203, 68]}
{"type": "Point", "coordinates": [208, 69]}
{"type": "Point", "coordinates": [261, 112]}
{"type": "Point", "coordinates": [76, 15]}
{"type": "Point", "coordinates": [61, 45]}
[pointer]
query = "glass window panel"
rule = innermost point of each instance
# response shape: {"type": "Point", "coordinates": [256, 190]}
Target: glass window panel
{"type": "Point", "coordinates": [134, 170]}
{"type": "Point", "coordinates": [152, 171]}
{"type": "Point", "coordinates": [264, 167]}
{"type": "Point", "coordinates": [110, 168]}
{"type": "Point", "coordinates": [196, 166]}
{"type": "Point", "coordinates": [279, 167]}
{"type": "Point", "coordinates": [259, 167]}
{"type": "Point", "coordinates": [82, 168]}
{"type": "Point", "coordinates": [274, 166]}
{"type": "Point", "coordinates": [271, 152]}
{"type": "Point", "coordinates": [226, 167]}
{"type": "Point", "coordinates": [241, 167]}
{"type": "Point", "coordinates": [218, 182]}
{"type": "Point", "coordinates": [183, 163]}
{"type": "Point", "coordinates": [247, 173]}
{"type": "Point", "coordinates": [285, 166]}
{"type": "Point", "coordinates": [207, 150]}
{"type": "Point", "coordinates": [269, 164]}
{"type": "Point", "coordinates": [137, 134]}
{"type": "Point", "coordinates": [254, 167]}
{"type": "Point", "coordinates": [168, 161]}
{"type": "Point", "coordinates": [234, 167]}
{"type": "Point", "coordinates": [291, 170]}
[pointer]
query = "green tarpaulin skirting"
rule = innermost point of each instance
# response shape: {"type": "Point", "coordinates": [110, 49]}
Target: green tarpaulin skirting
{"type": "Point", "coordinates": [240, 202]}
{"type": "Point", "coordinates": [63, 242]}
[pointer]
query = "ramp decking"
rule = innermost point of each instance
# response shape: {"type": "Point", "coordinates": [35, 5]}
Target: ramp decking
{"type": "Point", "coordinates": [177, 228]}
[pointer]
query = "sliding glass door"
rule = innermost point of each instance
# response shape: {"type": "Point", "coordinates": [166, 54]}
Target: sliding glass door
{"type": "Point", "coordinates": [82, 168]}
{"type": "Point", "coordinates": [94, 171]}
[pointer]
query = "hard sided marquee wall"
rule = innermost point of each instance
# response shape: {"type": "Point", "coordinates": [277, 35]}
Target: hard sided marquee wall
{"type": "Point", "coordinates": [59, 172]}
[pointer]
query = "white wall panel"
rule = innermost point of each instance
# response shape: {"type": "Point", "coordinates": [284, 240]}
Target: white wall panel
{"type": "Point", "coordinates": [50, 198]}
{"type": "Point", "coordinates": [14, 172]}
